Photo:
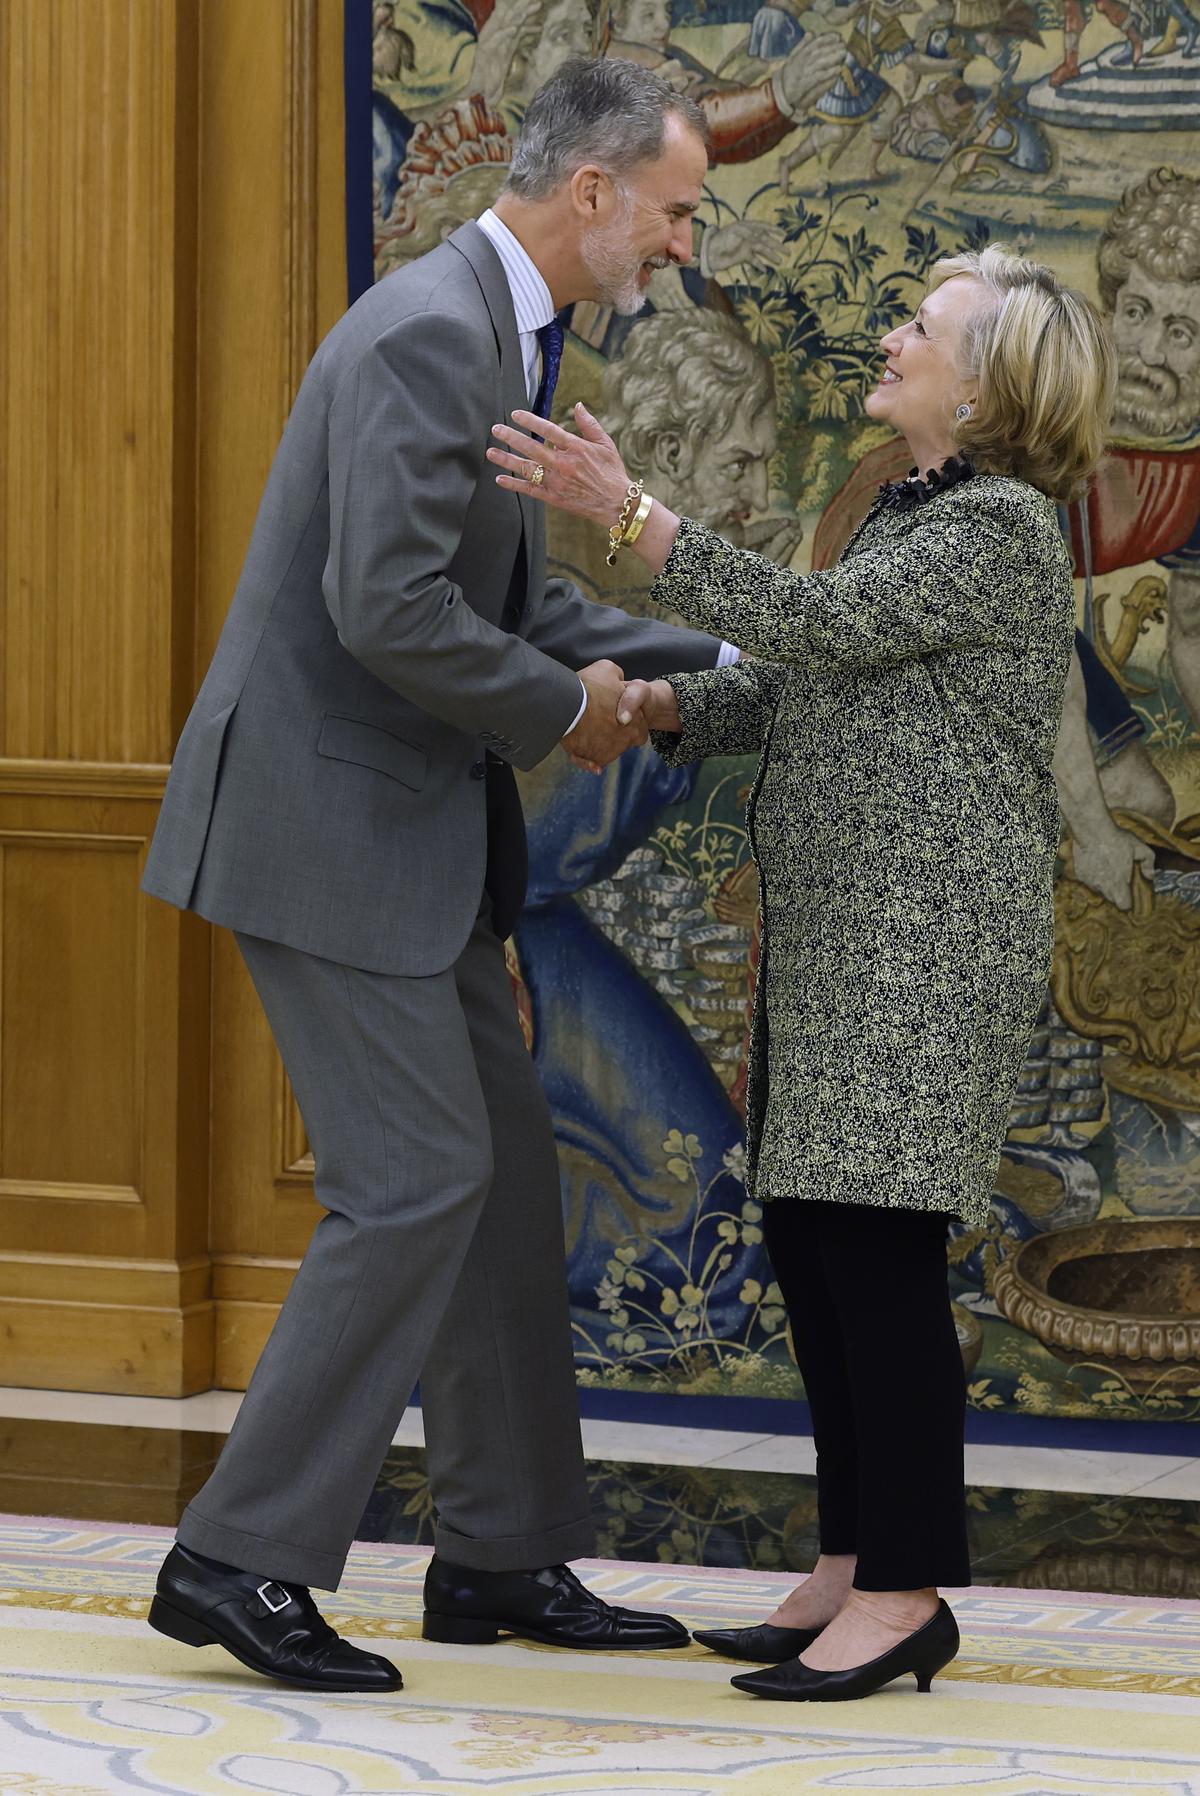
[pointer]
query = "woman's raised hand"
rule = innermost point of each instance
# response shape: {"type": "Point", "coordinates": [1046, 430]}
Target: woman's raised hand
{"type": "Point", "coordinates": [583, 474]}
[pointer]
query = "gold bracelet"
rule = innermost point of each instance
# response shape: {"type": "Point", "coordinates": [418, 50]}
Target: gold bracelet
{"type": "Point", "coordinates": [639, 519]}
{"type": "Point", "coordinates": [616, 535]}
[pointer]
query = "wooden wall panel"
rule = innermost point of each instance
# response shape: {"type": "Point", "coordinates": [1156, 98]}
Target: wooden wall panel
{"type": "Point", "coordinates": [105, 1278]}
{"type": "Point", "coordinates": [87, 116]}
{"type": "Point", "coordinates": [72, 1012]}
{"type": "Point", "coordinates": [171, 250]}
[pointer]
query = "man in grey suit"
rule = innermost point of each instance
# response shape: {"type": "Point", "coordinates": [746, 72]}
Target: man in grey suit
{"type": "Point", "coordinates": [343, 799]}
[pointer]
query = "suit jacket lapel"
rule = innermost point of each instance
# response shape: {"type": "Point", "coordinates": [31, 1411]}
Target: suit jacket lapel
{"type": "Point", "coordinates": [471, 242]}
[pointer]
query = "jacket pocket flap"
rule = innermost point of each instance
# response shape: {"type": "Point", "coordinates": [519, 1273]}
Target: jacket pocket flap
{"type": "Point", "coordinates": [366, 745]}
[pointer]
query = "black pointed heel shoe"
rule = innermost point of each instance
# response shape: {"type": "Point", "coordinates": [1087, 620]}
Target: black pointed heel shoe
{"type": "Point", "coordinates": [924, 1653]}
{"type": "Point", "coordinates": [762, 1645]}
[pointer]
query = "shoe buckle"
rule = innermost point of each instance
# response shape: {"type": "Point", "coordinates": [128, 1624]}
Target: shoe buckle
{"type": "Point", "coordinates": [262, 1591]}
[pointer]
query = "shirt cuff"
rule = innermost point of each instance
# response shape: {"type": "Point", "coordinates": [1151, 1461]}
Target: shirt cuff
{"type": "Point", "coordinates": [726, 656]}
{"type": "Point", "coordinates": [583, 707]}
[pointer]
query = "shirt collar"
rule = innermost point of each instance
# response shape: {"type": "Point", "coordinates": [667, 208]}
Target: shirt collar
{"type": "Point", "coordinates": [532, 301]}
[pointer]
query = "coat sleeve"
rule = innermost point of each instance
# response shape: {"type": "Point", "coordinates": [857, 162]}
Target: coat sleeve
{"type": "Point", "coordinates": [408, 431]}
{"type": "Point", "coordinates": [978, 570]}
{"type": "Point", "coordinates": [577, 630]}
{"type": "Point", "coordinates": [724, 711]}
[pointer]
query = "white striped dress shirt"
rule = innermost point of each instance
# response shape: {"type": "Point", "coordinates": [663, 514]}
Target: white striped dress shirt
{"type": "Point", "coordinates": [533, 304]}
{"type": "Point", "coordinates": [532, 301]}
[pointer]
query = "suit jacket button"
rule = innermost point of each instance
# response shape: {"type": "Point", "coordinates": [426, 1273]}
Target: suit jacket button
{"type": "Point", "coordinates": [478, 769]}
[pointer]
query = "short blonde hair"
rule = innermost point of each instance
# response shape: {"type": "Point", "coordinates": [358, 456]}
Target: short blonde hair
{"type": "Point", "coordinates": [1045, 369]}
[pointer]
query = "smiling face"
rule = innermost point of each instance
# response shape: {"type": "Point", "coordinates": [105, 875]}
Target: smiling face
{"type": "Point", "coordinates": [922, 382]}
{"type": "Point", "coordinates": [1156, 328]}
{"type": "Point", "coordinates": [645, 223]}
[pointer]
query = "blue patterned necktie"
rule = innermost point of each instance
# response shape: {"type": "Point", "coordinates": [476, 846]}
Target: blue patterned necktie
{"type": "Point", "coordinates": [550, 337]}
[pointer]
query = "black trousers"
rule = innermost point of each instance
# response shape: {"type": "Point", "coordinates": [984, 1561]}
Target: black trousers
{"type": "Point", "coordinates": [866, 1295]}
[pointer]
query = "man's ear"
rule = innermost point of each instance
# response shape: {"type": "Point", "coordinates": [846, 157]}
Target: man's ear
{"type": "Point", "coordinates": [588, 187]}
{"type": "Point", "coordinates": [672, 455]}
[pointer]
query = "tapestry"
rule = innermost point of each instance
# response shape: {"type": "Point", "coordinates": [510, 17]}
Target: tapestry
{"type": "Point", "coordinates": [1064, 131]}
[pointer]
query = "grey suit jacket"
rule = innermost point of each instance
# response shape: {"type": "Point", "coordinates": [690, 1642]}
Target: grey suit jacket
{"type": "Point", "coordinates": [391, 627]}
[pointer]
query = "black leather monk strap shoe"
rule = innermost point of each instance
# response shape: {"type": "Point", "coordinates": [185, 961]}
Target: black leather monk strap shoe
{"type": "Point", "coordinates": [924, 1653]}
{"type": "Point", "coordinates": [763, 1645]}
{"type": "Point", "coordinates": [473, 1608]}
{"type": "Point", "coordinates": [270, 1627]}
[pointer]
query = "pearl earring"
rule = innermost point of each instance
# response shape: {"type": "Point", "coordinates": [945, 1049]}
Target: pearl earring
{"type": "Point", "coordinates": [963, 413]}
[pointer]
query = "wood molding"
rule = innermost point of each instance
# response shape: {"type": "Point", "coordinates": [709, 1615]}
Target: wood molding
{"type": "Point", "coordinates": [248, 1291]}
{"type": "Point", "coordinates": [300, 193]}
{"type": "Point", "coordinates": [69, 1192]}
{"type": "Point", "coordinates": [109, 1347]}
{"type": "Point", "coordinates": [240, 1333]}
{"type": "Point", "coordinates": [92, 1278]}
{"type": "Point", "coordinates": [83, 779]}
{"type": "Point", "coordinates": [84, 1322]}
{"type": "Point", "coordinates": [294, 1159]}
{"type": "Point", "coordinates": [251, 1278]}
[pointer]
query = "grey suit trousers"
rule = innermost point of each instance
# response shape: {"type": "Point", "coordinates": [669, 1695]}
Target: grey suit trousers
{"type": "Point", "coordinates": [441, 1258]}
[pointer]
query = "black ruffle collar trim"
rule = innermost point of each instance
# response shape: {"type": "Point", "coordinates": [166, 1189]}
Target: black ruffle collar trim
{"type": "Point", "coordinates": [915, 490]}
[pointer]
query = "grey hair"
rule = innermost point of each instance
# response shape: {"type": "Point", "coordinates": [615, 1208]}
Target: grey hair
{"type": "Point", "coordinates": [686, 371]}
{"type": "Point", "coordinates": [595, 109]}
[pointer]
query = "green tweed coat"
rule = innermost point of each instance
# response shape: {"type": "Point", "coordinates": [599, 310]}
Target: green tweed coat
{"type": "Point", "coordinates": [904, 822]}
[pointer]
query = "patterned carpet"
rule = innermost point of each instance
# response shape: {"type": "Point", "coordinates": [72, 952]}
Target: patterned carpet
{"type": "Point", "coordinates": [1054, 1695]}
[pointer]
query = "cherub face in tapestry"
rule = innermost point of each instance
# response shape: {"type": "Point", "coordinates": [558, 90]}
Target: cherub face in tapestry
{"type": "Point", "coordinates": [1150, 282]}
{"type": "Point", "coordinates": [564, 28]}
{"type": "Point", "coordinates": [691, 401]}
{"type": "Point", "coordinates": [642, 22]}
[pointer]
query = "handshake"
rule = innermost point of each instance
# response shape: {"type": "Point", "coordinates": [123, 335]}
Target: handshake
{"type": "Point", "coordinates": [620, 714]}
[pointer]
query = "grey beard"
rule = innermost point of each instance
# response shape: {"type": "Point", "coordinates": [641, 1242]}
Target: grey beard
{"type": "Point", "coordinates": [1154, 403]}
{"type": "Point", "coordinates": [604, 253]}
{"type": "Point", "coordinates": [690, 502]}
{"type": "Point", "coordinates": [616, 286]}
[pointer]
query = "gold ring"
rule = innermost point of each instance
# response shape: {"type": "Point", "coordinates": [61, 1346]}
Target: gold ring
{"type": "Point", "coordinates": [538, 475]}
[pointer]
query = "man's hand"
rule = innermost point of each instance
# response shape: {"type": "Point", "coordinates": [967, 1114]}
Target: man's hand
{"type": "Point", "coordinates": [599, 738]}
{"type": "Point", "coordinates": [776, 535]}
{"type": "Point", "coordinates": [652, 703]}
{"type": "Point", "coordinates": [809, 72]}
{"type": "Point", "coordinates": [745, 240]}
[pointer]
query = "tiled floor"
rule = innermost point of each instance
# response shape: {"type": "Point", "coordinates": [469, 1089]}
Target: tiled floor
{"type": "Point", "coordinates": [1126, 1523]}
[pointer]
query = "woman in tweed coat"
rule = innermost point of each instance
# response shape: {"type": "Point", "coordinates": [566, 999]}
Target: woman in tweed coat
{"type": "Point", "coordinates": [904, 822]}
